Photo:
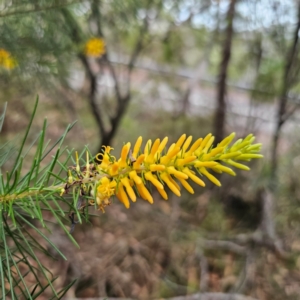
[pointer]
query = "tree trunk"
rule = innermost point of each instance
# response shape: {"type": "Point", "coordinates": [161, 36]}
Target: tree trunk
{"type": "Point", "coordinates": [282, 104]}
{"type": "Point", "coordinates": [219, 119]}
{"type": "Point", "coordinates": [107, 136]}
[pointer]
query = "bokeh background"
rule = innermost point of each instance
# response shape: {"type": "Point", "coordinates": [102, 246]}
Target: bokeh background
{"type": "Point", "coordinates": [169, 67]}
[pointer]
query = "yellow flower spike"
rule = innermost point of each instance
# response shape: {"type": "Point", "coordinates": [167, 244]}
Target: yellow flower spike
{"type": "Point", "coordinates": [211, 177]}
{"type": "Point", "coordinates": [176, 173]}
{"type": "Point", "coordinates": [224, 169]}
{"type": "Point", "coordinates": [180, 140]}
{"type": "Point", "coordinates": [184, 161]}
{"type": "Point", "coordinates": [137, 147]}
{"type": "Point", "coordinates": [187, 143]}
{"type": "Point", "coordinates": [138, 162]}
{"type": "Point", "coordinates": [133, 175]}
{"type": "Point", "coordinates": [186, 185]}
{"type": "Point", "coordinates": [237, 165]}
{"type": "Point", "coordinates": [150, 177]}
{"type": "Point", "coordinates": [193, 177]}
{"type": "Point", "coordinates": [170, 184]}
{"type": "Point", "coordinates": [227, 140]}
{"type": "Point", "coordinates": [154, 167]}
{"type": "Point", "coordinates": [129, 189]}
{"type": "Point", "coordinates": [122, 196]}
{"type": "Point", "coordinates": [144, 193]}
{"type": "Point", "coordinates": [160, 166]}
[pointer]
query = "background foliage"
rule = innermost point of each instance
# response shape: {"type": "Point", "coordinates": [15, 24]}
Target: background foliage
{"type": "Point", "coordinates": [161, 75]}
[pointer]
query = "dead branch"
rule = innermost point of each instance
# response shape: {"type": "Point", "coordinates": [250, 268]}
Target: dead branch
{"type": "Point", "coordinates": [224, 245]}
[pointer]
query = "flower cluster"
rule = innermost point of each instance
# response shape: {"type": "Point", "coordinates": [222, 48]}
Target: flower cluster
{"type": "Point", "coordinates": [6, 60]}
{"type": "Point", "coordinates": [94, 47]}
{"type": "Point", "coordinates": [138, 168]}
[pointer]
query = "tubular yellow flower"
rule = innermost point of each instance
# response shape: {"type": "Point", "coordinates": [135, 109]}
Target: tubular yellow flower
{"type": "Point", "coordinates": [180, 140]}
{"type": "Point", "coordinates": [154, 167]}
{"type": "Point", "coordinates": [210, 176]}
{"type": "Point", "coordinates": [193, 177]}
{"type": "Point", "coordinates": [134, 176]}
{"type": "Point", "coordinates": [176, 173]}
{"type": "Point", "coordinates": [186, 185]}
{"type": "Point", "coordinates": [122, 196]}
{"type": "Point", "coordinates": [159, 166]}
{"type": "Point", "coordinates": [94, 47]}
{"type": "Point", "coordinates": [163, 193]}
{"type": "Point", "coordinates": [137, 147]}
{"type": "Point", "coordinates": [144, 192]}
{"type": "Point", "coordinates": [170, 184]}
{"type": "Point", "coordinates": [105, 190]}
{"type": "Point", "coordinates": [187, 143]}
{"type": "Point", "coordinates": [129, 189]}
{"type": "Point", "coordinates": [124, 154]}
{"type": "Point", "coordinates": [195, 146]}
{"type": "Point", "coordinates": [150, 177]}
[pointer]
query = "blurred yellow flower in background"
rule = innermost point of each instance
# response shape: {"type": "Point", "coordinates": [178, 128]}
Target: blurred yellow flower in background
{"type": "Point", "coordinates": [94, 47]}
{"type": "Point", "coordinates": [6, 60]}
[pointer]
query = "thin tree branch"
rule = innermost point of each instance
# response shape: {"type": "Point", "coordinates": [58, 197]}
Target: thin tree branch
{"type": "Point", "coordinates": [282, 104]}
{"type": "Point", "coordinates": [219, 118]}
{"type": "Point", "coordinates": [248, 273]}
{"type": "Point", "coordinates": [93, 94]}
{"type": "Point", "coordinates": [136, 51]}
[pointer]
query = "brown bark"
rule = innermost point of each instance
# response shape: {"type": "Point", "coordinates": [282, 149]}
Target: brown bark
{"type": "Point", "coordinates": [282, 114]}
{"type": "Point", "coordinates": [219, 119]}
